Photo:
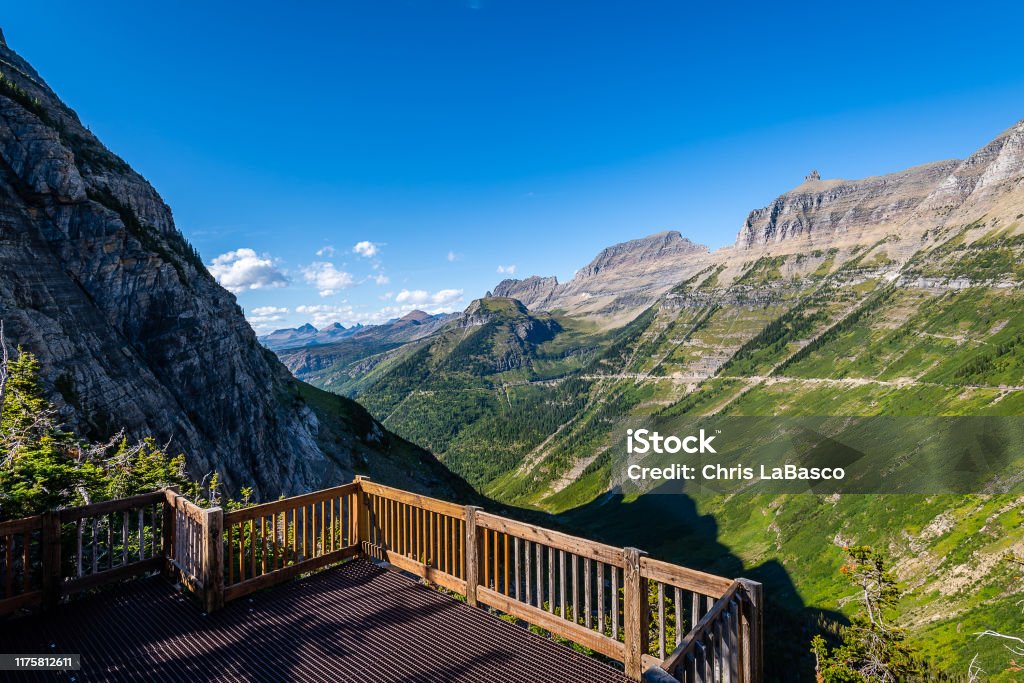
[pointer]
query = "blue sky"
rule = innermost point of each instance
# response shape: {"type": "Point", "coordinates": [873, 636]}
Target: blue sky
{"type": "Point", "coordinates": [449, 138]}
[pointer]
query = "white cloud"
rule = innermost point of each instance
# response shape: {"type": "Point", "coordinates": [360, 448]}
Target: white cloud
{"type": "Point", "coordinates": [511, 270]}
{"type": "Point", "coordinates": [381, 279]}
{"type": "Point", "coordinates": [327, 251]}
{"type": "Point", "coordinates": [443, 297]}
{"type": "Point", "coordinates": [326, 278]}
{"type": "Point", "coordinates": [269, 310]}
{"type": "Point", "coordinates": [366, 249]}
{"type": "Point", "coordinates": [262, 318]}
{"type": "Point", "coordinates": [441, 301]}
{"type": "Point", "coordinates": [452, 257]}
{"type": "Point", "coordinates": [322, 315]}
{"type": "Point", "coordinates": [244, 269]}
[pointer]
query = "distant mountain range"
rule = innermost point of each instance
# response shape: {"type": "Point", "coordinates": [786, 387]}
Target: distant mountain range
{"type": "Point", "coordinates": [412, 325]}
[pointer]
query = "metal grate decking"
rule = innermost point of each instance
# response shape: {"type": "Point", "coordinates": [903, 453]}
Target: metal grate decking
{"type": "Point", "coordinates": [356, 622]}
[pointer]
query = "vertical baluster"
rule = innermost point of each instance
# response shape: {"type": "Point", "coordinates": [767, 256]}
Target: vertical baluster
{"type": "Point", "coordinates": [700, 664]}
{"type": "Point", "coordinates": [695, 613]}
{"type": "Point", "coordinates": [155, 531]}
{"type": "Point", "coordinates": [79, 570]}
{"type": "Point", "coordinates": [323, 527]}
{"type": "Point", "coordinates": [252, 549]}
{"type": "Point", "coordinates": [26, 565]}
{"type": "Point", "coordinates": [661, 620]}
{"type": "Point", "coordinates": [461, 543]}
{"type": "Point", "coordinates": [575, 589]}
{"type": "Point", "coordinates": [734, 651]}
{"type": "Point", "coordinates": [8, 565]}
{"type": "Point", "coordinates": [110, 540]}
{"type": "Point", "coordinates": [431, 540]}
{"type": "Point", "coordinates": [600, 597]}
{"type": "Point", "coordinates": [263, 544]}
{"type": "Point", "coordinates": [487, 558]}
{"type": "Point", "coordinates": [142, 535]}
{"type": "Point", "coordinates": [331, 517]}
{"type": "Point", "coordinates": [426, 552]}
{"type": "Point", "coordinates": [720, 646]}
{"type": "Point", "coordinates": [231, 554]}
{"type": "Point", "coordinates": [561, 582]}
{"type": "Point", "coordinates": [586, 592]}
{"type": "Point", "coordinates": [527, 572]}
{"type": "Point", "coordinates": [95, 549]}
{"type": "Point", "coordinates": [552, 596]}
{"type": "Point", "coordinates": [539, 551]}
{"type": "Point", "coordinates": [515, 549]}
{"type": "Point", "coordinates": [124, 538]}
{"type": "Point", "coordinates": [615, 601]}
{"type": "Point", "coordinates": [506, 558]}
{"type": "Point", "coordinates": [497, 552]}
{"type": "Point", "coordinates": [444, 546]}
{"type": "Point", "coordinates": [679, 615]}
{"type": "Point", "coordinates": [241, 551]}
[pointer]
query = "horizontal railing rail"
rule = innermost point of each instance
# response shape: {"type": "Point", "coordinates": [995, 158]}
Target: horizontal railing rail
{"type": "Point", "coordinates": [662, 621]}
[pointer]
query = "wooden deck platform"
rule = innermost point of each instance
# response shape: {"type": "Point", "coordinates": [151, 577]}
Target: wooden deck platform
{"type": "Point", "coordinates": [355, 622]}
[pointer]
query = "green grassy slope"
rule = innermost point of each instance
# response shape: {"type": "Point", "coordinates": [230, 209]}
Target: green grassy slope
{"type": "Point", "coordinates": [829, 332]}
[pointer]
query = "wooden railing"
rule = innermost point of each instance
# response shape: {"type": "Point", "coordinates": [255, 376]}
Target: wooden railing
{"type": "Point", "coordinates": [75, 549]}
{"type": "Point", "coordinates": [266, 544]}
{"type": "Point", "coordinates": [662, 621]}
{"type": "Point", "coordinates": [421, 535]}
{"type": "Point", "coordinates": [21, 555]}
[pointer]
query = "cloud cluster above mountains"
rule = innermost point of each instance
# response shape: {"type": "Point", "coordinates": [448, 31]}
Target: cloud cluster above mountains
{"type": "Point", "coordinates": [244, 270]}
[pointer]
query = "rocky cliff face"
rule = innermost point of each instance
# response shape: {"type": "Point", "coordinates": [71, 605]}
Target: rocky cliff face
{"type": "Point", "coordinates": [132, 330]}
{"type": "Point", "coordinates": [620, 282]}
{"type": "Point", "coordinates": [535, 292]}
{"type": "Point", "coordinates": [837, 212]}
{"type": "Point", "coordinates": [826, 211]}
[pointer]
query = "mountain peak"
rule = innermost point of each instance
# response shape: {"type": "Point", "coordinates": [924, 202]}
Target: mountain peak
{"type": "Point", "coordinates": [306, 328]}
{"type": "Point", "coordinates": [416, 316]}
{"type": "Point", "coordinates": [663, 246]}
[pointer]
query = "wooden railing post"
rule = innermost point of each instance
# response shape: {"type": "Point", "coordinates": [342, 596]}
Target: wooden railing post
{"type": "Point", "coordinates": [51, 559]}
{"type": "Point", "coordinates": [170, 496]}
{"type": "Point", "coordinates": [472, 563]}
{"type": "Point", "coordinates": [362, 513]}
{"type": "Point", "coordinates": [752, 631]}
{"type": "Point", "coordinates": [213, 559]}
{"type": "Point", "coordinates": [634, 613]}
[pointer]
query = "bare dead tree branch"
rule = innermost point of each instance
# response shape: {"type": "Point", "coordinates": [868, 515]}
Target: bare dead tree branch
{"type": "Point", "coordinates": [4, 374]}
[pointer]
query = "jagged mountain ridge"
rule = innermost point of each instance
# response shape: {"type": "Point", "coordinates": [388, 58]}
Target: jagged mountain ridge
{"type": "Point", "coordinates": [816, 215]}
{"type": "Point", "coordinates": [413, 325]}
{"type": "Point", "coordinates": [621, 280]}
{"type": "Point", "coordinates": [133, 332]}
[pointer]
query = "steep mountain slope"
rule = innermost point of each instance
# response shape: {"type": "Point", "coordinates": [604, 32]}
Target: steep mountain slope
{"type": "Point", "coordinates": [133, 332]}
